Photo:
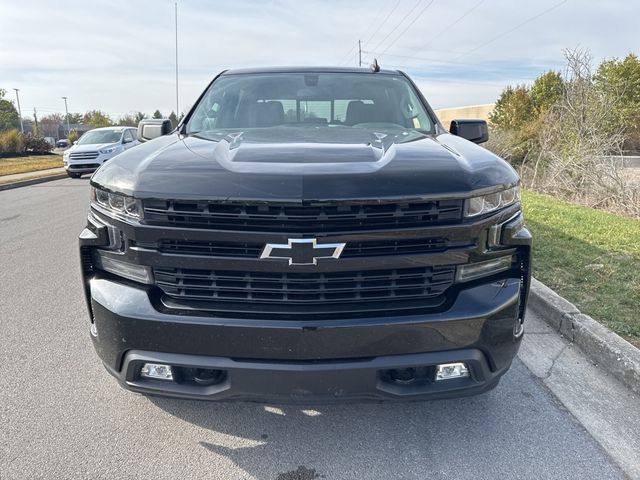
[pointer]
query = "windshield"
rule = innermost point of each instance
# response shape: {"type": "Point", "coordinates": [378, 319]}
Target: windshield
{"type": "Point", "coordinates": [353, 100]}
{"type": "Point", "coordinates": [100, 136]}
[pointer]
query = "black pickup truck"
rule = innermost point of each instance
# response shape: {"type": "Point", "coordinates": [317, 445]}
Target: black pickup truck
{"type": "Point", "coordinates": [307, 234]}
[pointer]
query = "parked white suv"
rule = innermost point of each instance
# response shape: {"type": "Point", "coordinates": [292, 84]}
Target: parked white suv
{"type": "Point", "coordinates": [96, 147]}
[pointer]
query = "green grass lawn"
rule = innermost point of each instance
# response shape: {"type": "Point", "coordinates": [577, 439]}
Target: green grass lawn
{"type": "Point", "coordinates": [31, 163]}
{"type": "Point", "coordinates": [591, 258]}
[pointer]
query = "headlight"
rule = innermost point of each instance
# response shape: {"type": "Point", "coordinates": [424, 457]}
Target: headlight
{"type": "Point", "coordinates": [116, 202]}
{"type": "Point", "coordinates": [492, 202]}
{"type": "Point", "coordinates": [109, 150]}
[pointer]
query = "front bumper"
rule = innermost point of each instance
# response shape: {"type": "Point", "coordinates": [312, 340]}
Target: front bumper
{"type": "Point", "coordinates": [85, 165]}
{"type": "Point", "coordinates": [308, 358]}
{"type": "Point", "coordinates": [323, 382]}
{"type": "Point", "coordinates": [83, 169]}
{"type": "Point", "coordinates": [289, 361]}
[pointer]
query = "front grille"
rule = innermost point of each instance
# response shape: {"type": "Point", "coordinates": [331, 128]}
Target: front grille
{"type": "Point", "coordinates": [309, 293]}
{"type": "Point", "coordinates": [414, 246]}
{"type": "Point", "coordinates": [313, 218]}
{"type": "Point", "coordinates": [83, 155]}
{"type": "Point", "coordinates": [84, 165]}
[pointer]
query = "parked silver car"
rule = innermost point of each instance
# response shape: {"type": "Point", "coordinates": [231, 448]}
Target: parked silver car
{"type": "Point", "coordinates": [96, 147]}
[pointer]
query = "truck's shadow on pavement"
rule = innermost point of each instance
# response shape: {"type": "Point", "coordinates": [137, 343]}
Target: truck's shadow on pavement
{"type": "Point", "coordinates": [438, 439]}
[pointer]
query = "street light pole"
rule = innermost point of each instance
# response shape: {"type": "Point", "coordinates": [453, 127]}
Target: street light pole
{"type": "Point", "coordinates": [177, 104]}
{"type": "Point", "coordinates": [19, 110]}
{"type": "Point", "coordinates": [67, 112]}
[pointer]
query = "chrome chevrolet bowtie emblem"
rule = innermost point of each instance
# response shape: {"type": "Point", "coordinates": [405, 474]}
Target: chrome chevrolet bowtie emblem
{"type": "Point", "coordinates": [305, 251]}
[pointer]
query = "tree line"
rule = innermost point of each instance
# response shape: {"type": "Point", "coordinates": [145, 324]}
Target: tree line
{"type": "Point", "coordinates": [47, 124]}
{"type": "Point", "coordinates": [13, 141]}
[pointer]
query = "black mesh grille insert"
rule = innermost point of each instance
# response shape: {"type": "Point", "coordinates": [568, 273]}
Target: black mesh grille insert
{"type": "Point", "coordinates": [84, 165]}
{"type": "Point", "coordinates": [378, 290]}
{"type": "Point", "coordinates": [413, 246]}
{"type": "Point", "coordinates": [314, 218]}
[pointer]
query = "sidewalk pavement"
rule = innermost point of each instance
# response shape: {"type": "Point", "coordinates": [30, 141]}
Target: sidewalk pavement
{"type": "Point", "coordinates": [602, 404]}
{"type": "Point", "coordinates": [29, 178]}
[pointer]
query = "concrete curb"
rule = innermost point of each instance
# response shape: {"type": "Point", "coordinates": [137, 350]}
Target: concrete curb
{"type": "Point", "coordinates": [603, 347]}
{"type": "Point", "coordinates": [32, 181]}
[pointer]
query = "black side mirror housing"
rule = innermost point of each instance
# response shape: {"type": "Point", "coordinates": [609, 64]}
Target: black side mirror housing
{"type": "Point", "coordinates": [151, 128]}
{"type": "Point", "coordinates": [475, 131]}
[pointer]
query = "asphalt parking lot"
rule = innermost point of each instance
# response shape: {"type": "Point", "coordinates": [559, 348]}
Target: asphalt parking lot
{"type": "Point", "coordinates": [63, 416]}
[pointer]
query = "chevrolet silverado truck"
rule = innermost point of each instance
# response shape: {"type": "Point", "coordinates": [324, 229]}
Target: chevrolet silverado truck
{"type": "Point", "coordinates": [307, 234]}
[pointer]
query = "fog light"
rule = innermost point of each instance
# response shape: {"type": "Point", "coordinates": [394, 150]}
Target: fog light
{"type": "Point", "coordinates": [447, 371]}
{"type": "Point", "coordinates": [157, 371]}
{"type": "Point", "coordinates": [137, 273]}
{"type": "Point", "coordinates": [471, 271]}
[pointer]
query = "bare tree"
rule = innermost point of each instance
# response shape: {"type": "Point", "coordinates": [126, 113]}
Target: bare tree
{"type": "Point", "coordinates": [579, 142]}
{"type": "Point", "coordinates": [50, 124]}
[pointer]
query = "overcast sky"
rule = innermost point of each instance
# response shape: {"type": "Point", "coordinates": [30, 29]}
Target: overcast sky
{"type": "Point", "coordinates": [118, 56]}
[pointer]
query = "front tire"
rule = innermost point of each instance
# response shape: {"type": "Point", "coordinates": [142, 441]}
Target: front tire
{"type": "Point", "coordinates": [74, 175]}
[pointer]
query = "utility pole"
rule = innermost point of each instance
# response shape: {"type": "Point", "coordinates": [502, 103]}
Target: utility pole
{"type": "Point", "coordinates": [67, 112]}
{"type": "Point", "coordinates": [177, 105]}
{"type": "Point", "coordinates": [19, 111]}
{"type": "Point", "coordinates": [35, 120]}
{"type": "Point", "coordinates": [359, 53]}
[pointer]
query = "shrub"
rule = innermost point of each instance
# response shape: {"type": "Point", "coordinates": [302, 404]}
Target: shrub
{"type": "Point", "coordinates": [546, 92]}
{"type": "Point", "coordinates": [513, 116]}
{"type": "Point", "coordinates": [11, 141]}
{"type": "Point", "coordinates": [73, 136]}
{"type": "Point", "coordinates": [36, 144]}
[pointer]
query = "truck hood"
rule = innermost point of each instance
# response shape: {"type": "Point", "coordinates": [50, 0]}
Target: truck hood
{"type": "Point", "coordinates": [305, 164]}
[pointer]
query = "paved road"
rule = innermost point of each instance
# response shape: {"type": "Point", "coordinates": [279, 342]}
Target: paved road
{"type": "Point", "coordinates": [62, 416]}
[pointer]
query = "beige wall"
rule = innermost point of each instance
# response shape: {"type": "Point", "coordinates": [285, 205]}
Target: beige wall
{"type": "Point", "coordinates": [472, 111]}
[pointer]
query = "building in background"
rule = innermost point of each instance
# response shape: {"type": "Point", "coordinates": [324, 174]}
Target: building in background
{"type": "Point", "coordinates": [481, 112]}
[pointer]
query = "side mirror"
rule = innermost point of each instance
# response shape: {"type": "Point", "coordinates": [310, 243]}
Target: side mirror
{"type": "Point", "coordinates": [151, 128]}
{"type": "Point", "coordinates": [475, 131]}
{"type": "Point", "coordinates": [75, 142]}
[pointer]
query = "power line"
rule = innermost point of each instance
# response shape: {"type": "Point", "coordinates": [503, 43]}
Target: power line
{"type": "Point", "coordinates": [507, 32]}
{"type": "Point", "coordinates": [45, 109]}
{"type": "Point", "coordinates": [393, 9]}
{"type": "Point", "coordinates": [455, 61]}
{"type": "Point", "coordinates": [349, 54]}
{"type": "Point", "coordinates": [453, 24]}
{"type": "Point", "coordinates": [415, 19]}
{"type": "Point", "coordinates": [488, 70]}
{"type": "Point", "coordinates": [412, 57]}
{"type": "Point", "coordinates": [449, 81]}
{"type": "Point", "coordinates": [354, 55]}
{"type": "Point", "coordinates": [58, 111]}
{"type": "Point", "coordinates": [398, 24]}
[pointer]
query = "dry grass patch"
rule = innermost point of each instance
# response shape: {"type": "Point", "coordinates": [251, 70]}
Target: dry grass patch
{"type": "Point", "coordinates": [9, 166]}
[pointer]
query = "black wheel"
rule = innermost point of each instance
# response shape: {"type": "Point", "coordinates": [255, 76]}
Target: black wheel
{"type": "Point", "coordinates": [74, 175]}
